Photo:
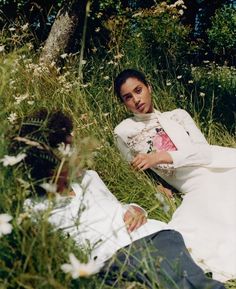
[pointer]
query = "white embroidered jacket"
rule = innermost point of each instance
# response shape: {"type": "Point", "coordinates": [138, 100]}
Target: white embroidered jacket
{"type": "Point", "coordinates": [192, 147]}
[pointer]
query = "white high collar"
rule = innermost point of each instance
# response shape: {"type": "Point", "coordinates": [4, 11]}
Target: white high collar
{"type": "Point", "coordinates": [147, 116]}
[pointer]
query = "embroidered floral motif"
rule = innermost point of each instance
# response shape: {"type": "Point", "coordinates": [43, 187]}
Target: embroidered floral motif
{"type": "Point", "coordinates": [162, 142]}
{"type": "Point", "coordinates": [152, 138]}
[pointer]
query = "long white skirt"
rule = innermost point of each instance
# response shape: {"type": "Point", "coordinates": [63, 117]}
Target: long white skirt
{"type": "Point", "coordinates": [207, 218]}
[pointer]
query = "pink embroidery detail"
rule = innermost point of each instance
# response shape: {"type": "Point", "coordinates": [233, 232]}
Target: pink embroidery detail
{"type": "Point", "coordinates": [162, 142]}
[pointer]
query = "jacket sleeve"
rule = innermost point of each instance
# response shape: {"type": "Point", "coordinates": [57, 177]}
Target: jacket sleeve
{"type": "Point", "coordinates": [198, 151]}
{"type": "Point", "coordinates": [123, 148]}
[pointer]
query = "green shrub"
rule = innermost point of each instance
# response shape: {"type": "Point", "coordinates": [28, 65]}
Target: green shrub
{"type": "Point", "coordinates": [222, 34]}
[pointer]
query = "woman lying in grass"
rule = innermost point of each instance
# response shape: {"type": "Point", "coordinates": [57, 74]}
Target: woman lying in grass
{"type": "Point", "coordinates": [132, 247]}
{"type": "Point", "coordinates": [171, 145]}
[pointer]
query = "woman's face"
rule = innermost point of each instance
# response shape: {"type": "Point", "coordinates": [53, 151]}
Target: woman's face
{"type": "Point", "coordinates": [136, 96]}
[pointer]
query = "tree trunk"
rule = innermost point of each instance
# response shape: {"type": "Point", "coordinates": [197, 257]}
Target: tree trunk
{"type": "Point", "coordinates": [62, 31]}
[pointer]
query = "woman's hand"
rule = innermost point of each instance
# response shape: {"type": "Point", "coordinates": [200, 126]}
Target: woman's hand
{"type": "Point", "coordinates": [145, 161]}
{"type": "Point", "coordinates": [134, 218]}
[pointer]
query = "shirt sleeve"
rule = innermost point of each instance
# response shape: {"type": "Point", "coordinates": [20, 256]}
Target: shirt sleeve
{"type": "Point", "coordinates": [198, 153]}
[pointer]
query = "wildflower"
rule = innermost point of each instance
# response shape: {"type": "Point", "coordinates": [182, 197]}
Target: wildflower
{"type": "Point", "coordinates": [22, 217]}
{"type": "Point", "coordinates": [64, 55]}
{"type": "Point", "coordinates": [53, 64]}
{"type": "Point", "coordinates": [99, 15]}
{"type": "Point", "coordinates": [179, 76]}
{"type": "Point", "coordinates": [12, 29]}
{"type": "Point", "coordinates": [190, 81]}
{"type": "Point", "coordinates": [110, 62]}
{"type": "Point", "coordinates": [94, 49]}
{"type": "Point", "coordinates": [106, 77]}
{"type": "Point", "coordinates": [12, 117]}
{"type": "Point", "coordinates": [178, 3]}
{"type": "Point", "coordinates": [30, 102]}
{"type": "Point", "coordinates": [206, 61]}
{"type": "Point", "coordinates": [25, 27]}
{"type": "Point", "coordinates": [20, 98]}
{"type": "Point", "coordinates": [181, 12]}
{"type": "Point", "coordinates": [12, 160]}
{"type": "Point", "coordinates": [65, 149]}
{"type": "Point", "coordinates": [2, 48]}
{"type": "Point", "coordinates": [83, 61]}
{"type": "Point", "coordinates": [97, 29]}
{"type": "Point", "coordinates": [168, 83]}
{"type": "Point", "coordinates": [78, 269]}
{"type": "Point", "coordinates": [49, 187]}
{"type": "Point", "coordinates": [118, 56]}
{"type": "Point", "coordinates": [202, 94]}
{"type": "Point", "coordinates": [5, 227]}
{"type": "Point", "coordinates": [30, 45]}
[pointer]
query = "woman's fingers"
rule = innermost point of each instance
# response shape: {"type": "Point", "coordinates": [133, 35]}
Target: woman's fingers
{"type": "Point", "coordinates": [134, 218]}
{"type": "Point", "coordinates": [135, 223]}
{"type": "Point", "coordinates": [141, 164]}
{"type": "Point", "coordinates": [139, 161]}
{"type": "Point", "coordinates": [139, 222]}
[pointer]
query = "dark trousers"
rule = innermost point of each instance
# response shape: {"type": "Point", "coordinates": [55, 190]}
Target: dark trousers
{"type": "Point", "coordinates": [160, 260]}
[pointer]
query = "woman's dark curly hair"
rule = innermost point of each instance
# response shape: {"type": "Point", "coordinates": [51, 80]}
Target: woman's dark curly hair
{"type": "Point", "coordinates": [38, 136]}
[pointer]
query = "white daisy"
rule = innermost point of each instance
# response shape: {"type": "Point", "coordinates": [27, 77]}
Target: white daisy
{"type": "Point", "coordinates": [5, 227]}
{"type": "Point", "coordinates": [78, 269]}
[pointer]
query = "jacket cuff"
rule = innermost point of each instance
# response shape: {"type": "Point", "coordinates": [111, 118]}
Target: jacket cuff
{"type": "Point", "coordinates": [127, 206]}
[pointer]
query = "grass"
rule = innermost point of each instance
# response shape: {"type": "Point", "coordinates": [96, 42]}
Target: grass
{"type": "Point", "coordinates": [30, 257]}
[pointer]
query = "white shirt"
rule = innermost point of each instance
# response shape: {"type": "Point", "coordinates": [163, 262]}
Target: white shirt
{"type": "Point", "coordinates": [95, 215]}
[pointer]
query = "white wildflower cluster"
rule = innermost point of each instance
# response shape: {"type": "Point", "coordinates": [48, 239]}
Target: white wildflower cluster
{"type": "Point", "coordinates": [179, 5]}
{"type": "Point", "coordinates": [12, 160]}
{"type": "Point", "coordinates": [5, 227]}
{"type": "Point", "coordinates": [65, 85]}
{"type": "Point", "coordinates": [77, 269]}
{"type": "Point", "coordinates": [20, 98]}
{"type": "Point", "coordinates": [37, 69]}
{"type": "Point", "coordinates": [12, 117]}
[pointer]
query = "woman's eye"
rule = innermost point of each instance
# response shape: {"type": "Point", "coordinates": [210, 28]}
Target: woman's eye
{"type": "Point", "coordinates": [127, 97]}
{"type": "Point", "coordinates": [139, 90]}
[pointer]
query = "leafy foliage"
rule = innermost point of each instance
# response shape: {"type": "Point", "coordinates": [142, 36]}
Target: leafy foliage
{"type": "Point", "coordinates": [222, 34]}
